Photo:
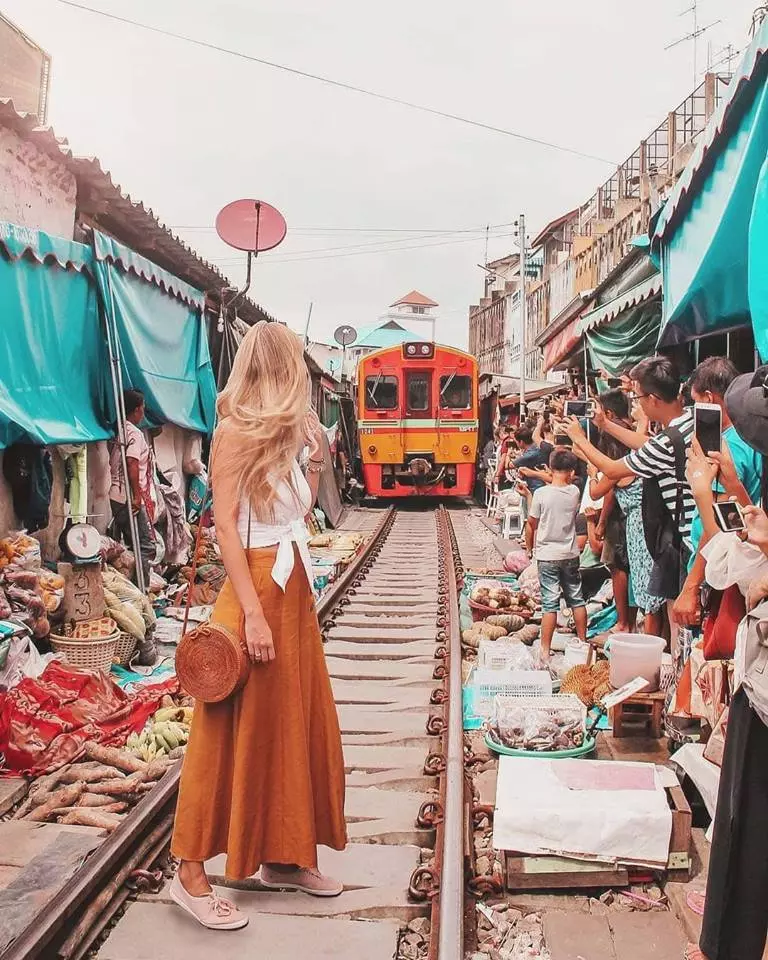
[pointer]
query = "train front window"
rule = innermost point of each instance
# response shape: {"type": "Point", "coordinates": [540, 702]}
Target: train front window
{"type": "Point", "coordinates": [418, 391]}
{"type": "Point", "coordinates": [455, 392]}
{"type": "Point", "coordinates": [381, 392]}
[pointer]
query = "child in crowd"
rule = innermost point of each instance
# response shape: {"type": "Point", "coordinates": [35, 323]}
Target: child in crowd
{"type": "Point", "coordinates": [552, 538]}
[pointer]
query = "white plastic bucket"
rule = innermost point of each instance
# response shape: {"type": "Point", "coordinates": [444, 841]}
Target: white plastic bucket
{"type": "Point", "coordinates": [576, 653]}
{"type": "Point", "coordinates": [636, 655]}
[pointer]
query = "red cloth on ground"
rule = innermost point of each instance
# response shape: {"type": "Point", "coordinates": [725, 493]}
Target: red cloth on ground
{"type": "Point", "coordinates": [45, 723]}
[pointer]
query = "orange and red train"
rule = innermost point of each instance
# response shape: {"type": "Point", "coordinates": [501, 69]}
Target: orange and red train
{"type": "Point", "coordinates": [417, 411]}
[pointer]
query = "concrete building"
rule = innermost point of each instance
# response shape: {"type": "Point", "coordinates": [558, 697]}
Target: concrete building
{"type": "Point", "coordinates": [494, 322]}
{"type": "Point", "coordinates": [25, 70]}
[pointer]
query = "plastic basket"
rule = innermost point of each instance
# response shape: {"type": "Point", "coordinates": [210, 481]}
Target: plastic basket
{"type": "Point", "coordinates": [90, 654]}
{"type": "Point", "coordinates": [125, 645]}
{"type": "Point", "coordinates": [584, 750]}
{"type": "Point", "coordinates": [488, 686]}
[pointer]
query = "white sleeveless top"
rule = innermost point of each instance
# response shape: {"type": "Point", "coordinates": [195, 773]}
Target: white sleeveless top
{"type": "Point", "coordinates": [286, 529]}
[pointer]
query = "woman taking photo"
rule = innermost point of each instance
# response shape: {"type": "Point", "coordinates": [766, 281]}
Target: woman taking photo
{"type": "Point", "coordinates": [263, 776]}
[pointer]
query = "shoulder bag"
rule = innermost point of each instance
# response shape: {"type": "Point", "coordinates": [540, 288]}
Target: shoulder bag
{"type": "Point", "coordinates": [212, 662]}
{"type": "Point", "coordinates": [662, 529]}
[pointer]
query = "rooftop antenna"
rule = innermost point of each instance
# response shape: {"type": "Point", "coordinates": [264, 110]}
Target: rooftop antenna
{"type": "Point", "coordinates": [487, 228]}
{"type": "Point", "coordinates": [694, 36]}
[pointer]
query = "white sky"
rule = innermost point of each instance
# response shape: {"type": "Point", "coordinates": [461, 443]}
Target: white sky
{"type": "Point", "coordinates": [186, 130]}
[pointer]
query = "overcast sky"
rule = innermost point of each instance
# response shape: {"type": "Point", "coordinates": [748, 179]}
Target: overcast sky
{"type": "Point", "coordinates": [187, 129]}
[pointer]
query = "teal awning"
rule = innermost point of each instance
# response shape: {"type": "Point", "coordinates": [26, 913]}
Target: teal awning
{"type": "Point", "coordinates": [702, 235]}
{"type": "Point", "coordinates": [160, 326]}
{"type": "Point", "coordinates": [758, 264]}
{"type": "Point", "coordinates": [630, 298]}
{"type": "Point", "coordinates": [53, 387]}
{"type": "Point", "coordinates": [629, 337]}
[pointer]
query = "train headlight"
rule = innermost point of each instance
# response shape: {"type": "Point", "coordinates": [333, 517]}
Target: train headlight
{"type": "Point", "coordinates": [425, 350]}
{"type": "Point", "coordinates": [465, 449]}
{"type": "Point", "coordinates": [411, 350]}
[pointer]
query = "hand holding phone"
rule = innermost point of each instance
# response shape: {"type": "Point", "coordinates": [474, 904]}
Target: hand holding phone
{"type": "Point", "coordinates": [730, 516]}
{"type": "Point", "coordinates": [708, 427]}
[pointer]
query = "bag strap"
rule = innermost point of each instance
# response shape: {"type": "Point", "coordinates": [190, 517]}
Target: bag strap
{"type": "Point", "coordinates": [678, 446]}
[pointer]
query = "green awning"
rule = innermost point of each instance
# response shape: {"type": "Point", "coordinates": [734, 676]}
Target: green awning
{"type": "Point", "coordinates": [631, 298]}
{"type": "Point", "coordinates": [54, 383]}
{"type": "Point", "coordinates": [160, 326]}
{"type": "Point", "coordinates": [703, 233]}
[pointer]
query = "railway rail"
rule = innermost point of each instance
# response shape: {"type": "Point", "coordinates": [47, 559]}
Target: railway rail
{"type": "Point", "coordinates": [393, 647]}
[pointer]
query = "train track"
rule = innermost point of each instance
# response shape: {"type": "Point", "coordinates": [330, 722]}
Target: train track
{"type": "Point", "coordinates": [393, 649]}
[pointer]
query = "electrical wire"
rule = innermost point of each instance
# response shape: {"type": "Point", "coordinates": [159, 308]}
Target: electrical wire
{"type": "Point", "coordinates": [360, 253]}
{"type": "Point", "coordinates": [389, 244]}
{"type": "Point", "coordinates": [339, 84]}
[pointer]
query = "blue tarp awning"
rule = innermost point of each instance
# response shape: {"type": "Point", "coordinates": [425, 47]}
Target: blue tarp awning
{"type": "Point", "coordinates": [160, 326]}
{"type": "Point", "coordinates": [702, 236]}
{"type": "Point", "coordinates": [53, 387]}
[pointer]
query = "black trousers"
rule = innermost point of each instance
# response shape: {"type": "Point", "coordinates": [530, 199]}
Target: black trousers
{"type": "Point", "coordinates": [147, 546]}
{"type": "Point", "coordinates": [736, 911]}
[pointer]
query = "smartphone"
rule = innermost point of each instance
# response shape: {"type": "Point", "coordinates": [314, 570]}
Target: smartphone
{"type": "Point", "coordinates": [730, 516]}
{"type": "Point", "coordinates": [563, 440]}
{"type": "Point", "coordinates": [614, 382]}
{"type": "Point", "coordinates": [708, 426]}
{"type": "Point", "coordinates": [582, 409]}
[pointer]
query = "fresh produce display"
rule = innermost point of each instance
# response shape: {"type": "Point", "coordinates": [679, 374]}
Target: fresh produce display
{"type": "Point", "coordinates": [28, 592]}
{"type": "Point", "coordinates": [552, 723]}
{"type": "Point", "coordinates": [589, 684]}
{"type": "Point", "coordinates": [505, 600]}
{"type": "Point", "coordinates": [126, 604]}
{"type": "Point", "coordinates": [166, 733]}
{"type": "Point", "coordinates": [512, 622]}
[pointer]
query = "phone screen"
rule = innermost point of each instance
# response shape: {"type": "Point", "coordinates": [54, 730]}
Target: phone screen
{"type": "Point", "coordinates": [563, 440]}
{"type": "Point", "coordinates": [614, 382]}
{"type": "Point", "coordinates": [729, 516]}
{"type": "Point", "coordinates": [577, 408]}
{"type": "Point", "coordinates": [709, 426]}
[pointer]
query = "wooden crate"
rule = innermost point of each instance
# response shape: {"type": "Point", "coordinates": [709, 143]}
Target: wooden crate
{"type": "Point", "coordinates": [525, 872]}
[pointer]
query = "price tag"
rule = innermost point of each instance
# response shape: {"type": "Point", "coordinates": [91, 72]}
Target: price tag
{"type": "Point", "coordinates": [83, 591]}
{"type": "Point", "coordinates": [625, 692]}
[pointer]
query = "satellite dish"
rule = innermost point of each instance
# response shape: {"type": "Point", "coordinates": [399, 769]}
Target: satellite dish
{"type": "Point", "coordinates": [251, 225]}
{"type": "Point", "coordinates": [345, 336]}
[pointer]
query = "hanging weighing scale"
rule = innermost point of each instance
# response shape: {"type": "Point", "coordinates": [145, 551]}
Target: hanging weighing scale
{"type": "Point", "coordinates": [81, 542]}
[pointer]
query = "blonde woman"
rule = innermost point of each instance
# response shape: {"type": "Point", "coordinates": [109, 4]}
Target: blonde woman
{"type": "Point", "coordinates": [263, 777]}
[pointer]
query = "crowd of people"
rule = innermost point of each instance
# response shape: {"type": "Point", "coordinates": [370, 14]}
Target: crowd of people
{"type": "Point", "coordinates": [638, 486]}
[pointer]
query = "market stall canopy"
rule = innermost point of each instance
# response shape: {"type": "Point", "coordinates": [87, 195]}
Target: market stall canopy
{"type": "Point", "coordinates": [160, 326]}
{"type": "Point", "coordinates": [623, 331]}
{"type": "Point", "coordinates": [758, 262]}
{"type": "Point", "coordinates": [54, 383]}
{"type": "Point", "coordinates": [702, 234]}
{"type": "Point", "coordinates": [509, 394]}
{"type": "Point", "coordinates": [561, 345]}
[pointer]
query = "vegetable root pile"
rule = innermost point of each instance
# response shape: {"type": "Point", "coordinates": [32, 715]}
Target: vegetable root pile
{"type": "Point", "coordinates": [503, 626]}
{"type": "Point", "coordinates": [503, 599]}
{"type": "Point", "coordinates": [107, 782]}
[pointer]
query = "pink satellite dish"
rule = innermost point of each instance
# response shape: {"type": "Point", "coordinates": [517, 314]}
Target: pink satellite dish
{"type": "Point", "coordinates": [251, 225]}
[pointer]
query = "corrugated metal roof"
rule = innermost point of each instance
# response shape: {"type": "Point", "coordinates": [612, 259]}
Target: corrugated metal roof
{"type": "Point", "coordinates": [102, 201]}
{"type": "Point", "coordinates": [752, 68]}
{"type": "Point", "coordinates": [552, 226]}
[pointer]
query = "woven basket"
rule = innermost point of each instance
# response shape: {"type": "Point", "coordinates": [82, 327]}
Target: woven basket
{"type": "Point", "coordinates": [90, 654]}
{"type": "Point", "coordinates": [125, 645]}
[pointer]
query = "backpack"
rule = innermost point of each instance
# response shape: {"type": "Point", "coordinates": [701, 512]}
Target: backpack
{"type": "Point", "coordinates": [662, 529]}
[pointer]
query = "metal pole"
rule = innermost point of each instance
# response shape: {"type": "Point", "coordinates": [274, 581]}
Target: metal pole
{"type": "Point", "coordinates": [113, 346]}
{"type": "Point", "coordinates": [306, 329]}
{"type": "Point", "coordinates": [451, 929]}
{"type": "Point", "coordinates": [523, 314]}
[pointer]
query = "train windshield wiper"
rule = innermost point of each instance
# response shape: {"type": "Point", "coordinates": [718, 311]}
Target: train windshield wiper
{"type": "Point", "coordinates": [372, 390]}
{"type": "Point", "coordinates": [447, 385]}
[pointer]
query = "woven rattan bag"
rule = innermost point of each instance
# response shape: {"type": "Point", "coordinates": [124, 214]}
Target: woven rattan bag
{"type": "Point", "coordinates": [212, 662]}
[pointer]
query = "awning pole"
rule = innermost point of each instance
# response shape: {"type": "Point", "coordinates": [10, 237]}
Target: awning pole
{"type": "Point", "coordinates": [117, 387]}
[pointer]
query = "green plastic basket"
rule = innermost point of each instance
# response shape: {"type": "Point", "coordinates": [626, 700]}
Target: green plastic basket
{"type": "Point", "coordinates": [584, 750]}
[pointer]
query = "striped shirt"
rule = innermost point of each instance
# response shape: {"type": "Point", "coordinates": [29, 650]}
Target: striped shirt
{"type": "Point", "coordinates": [656, 459]}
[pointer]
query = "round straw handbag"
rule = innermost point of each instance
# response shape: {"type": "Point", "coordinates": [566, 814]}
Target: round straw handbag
{"type": "Point", "coordinates": [211, 663]}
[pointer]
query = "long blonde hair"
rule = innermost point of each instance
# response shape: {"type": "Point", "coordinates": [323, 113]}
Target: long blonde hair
{"type": "Point", "coordinates": [266, 402]}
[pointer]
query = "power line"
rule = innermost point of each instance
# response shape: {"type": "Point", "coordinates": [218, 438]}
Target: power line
{"type": "Point", "coordinates": [339, 84]}
{"type": "Point", "coordinates": [359, 253]}
{"type": "Point", "coordinates": [322, 230]}
{"type": "Point", "coordinates": [389, 244]}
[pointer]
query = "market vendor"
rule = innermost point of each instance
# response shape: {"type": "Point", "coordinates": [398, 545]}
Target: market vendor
{"type": "Point", "coordinates": [138, 459]}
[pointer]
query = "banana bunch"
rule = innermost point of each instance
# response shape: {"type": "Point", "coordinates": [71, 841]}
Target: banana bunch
{"type": "Point", "coordinates": [179, 714]}
{"type": "Point", "coordinates": [158, 739]}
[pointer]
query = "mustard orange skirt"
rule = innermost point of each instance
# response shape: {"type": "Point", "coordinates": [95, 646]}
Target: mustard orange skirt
{"type": "Point", "coordinates": [263, 775]}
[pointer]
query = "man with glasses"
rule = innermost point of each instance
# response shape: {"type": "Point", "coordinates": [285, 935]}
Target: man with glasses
{"type": "Point", "coordinates": [656, 386]}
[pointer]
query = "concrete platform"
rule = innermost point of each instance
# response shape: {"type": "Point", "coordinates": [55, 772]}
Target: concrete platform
{"type": "Point", "coordinates": [158, 931]}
